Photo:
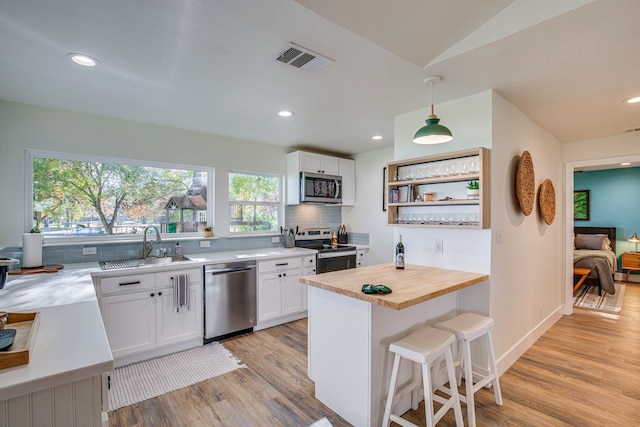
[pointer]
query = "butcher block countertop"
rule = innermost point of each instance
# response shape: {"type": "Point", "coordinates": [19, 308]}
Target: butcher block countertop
{"type": "Point", "coordinates": [411, 286]}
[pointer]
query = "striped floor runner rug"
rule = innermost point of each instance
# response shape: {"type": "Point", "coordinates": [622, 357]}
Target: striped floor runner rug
{"type": "Point", "coordinates": [587, 297]}
{"type": "Point", "coordinates": [151, 378]}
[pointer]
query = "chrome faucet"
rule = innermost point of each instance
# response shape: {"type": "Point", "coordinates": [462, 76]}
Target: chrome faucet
{"type": "Point", "coordinates": [146, 250]}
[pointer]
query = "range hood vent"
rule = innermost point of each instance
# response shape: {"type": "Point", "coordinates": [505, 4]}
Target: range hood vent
{"type": "Point", "coordinates": [302, 59]}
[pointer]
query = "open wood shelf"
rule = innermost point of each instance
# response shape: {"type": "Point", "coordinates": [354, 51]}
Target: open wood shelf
{"type": "Point", "coordinates": [446, 184]}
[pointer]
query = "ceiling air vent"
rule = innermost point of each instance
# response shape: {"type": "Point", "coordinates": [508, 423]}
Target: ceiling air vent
{"type": "Point", "coordinates": [302, 59]}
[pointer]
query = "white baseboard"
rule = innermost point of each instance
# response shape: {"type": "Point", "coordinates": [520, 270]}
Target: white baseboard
{"type": "Point", "coordinates": [514, 353]}
{"type": "Point", "coordinates": [280, 320]}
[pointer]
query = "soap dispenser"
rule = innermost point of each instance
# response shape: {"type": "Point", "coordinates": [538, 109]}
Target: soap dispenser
{"type": "Point", "coordinates": [177, 250]}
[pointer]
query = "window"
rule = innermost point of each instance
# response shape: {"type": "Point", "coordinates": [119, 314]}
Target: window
{"type": "Point", "coordinates": [254, 202]}
{"type": "Point", "coordinates": [75, 196]}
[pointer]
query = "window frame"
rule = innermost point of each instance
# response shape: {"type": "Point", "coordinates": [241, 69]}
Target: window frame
{"type": "Point", "coordinates": [30, 154]}
{"type": "Point", "coordinates": [280, 204]}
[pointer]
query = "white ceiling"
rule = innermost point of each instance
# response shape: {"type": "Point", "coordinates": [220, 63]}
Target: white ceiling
{"type": "Point", "coordinates": [209, 65]}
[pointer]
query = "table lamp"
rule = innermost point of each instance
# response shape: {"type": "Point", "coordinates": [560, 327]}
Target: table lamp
{"type": "Point", "coordinates": [635, 239]}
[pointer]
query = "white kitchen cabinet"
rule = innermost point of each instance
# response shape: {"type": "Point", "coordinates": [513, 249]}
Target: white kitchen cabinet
{"type": "Point", "coordinates": [319, 163]}
{"type": "Point", "coordinates": [302, 161]}
{"type": "Point", "coordinates": [270, 297]}
{"type": "Point", "coordinates": [140, 318]}
{"type": "Point", "coordinates": [308, 269]}
{"type": "Point", "coordinates": [347, 171]}
{"type": "Point", "coordinates": [361, 257]}
{"type": "Point", "coordinates": [280, 293]}
{"type": "Point", "coordinates": [130, 322]}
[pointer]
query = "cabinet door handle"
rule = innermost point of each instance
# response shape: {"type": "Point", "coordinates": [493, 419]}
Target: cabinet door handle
{"type": "Point", "coordinates": [284, 274]}
{"type": "Point", "coordinates": [152, 294]}
{"type": "Point", "coordinates": [159, 293]}
{"type": "Point", "coordinates": [137, 282]}
{"type": "Point", "coordinates": [281, 264]}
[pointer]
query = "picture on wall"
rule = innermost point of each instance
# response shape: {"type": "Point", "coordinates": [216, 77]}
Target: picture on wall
{"type": "Point", "coordinates": [581, 205]}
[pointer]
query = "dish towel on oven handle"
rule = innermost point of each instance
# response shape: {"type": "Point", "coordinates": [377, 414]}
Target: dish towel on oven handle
{"type": "Point", "coordinates": [181, 292]}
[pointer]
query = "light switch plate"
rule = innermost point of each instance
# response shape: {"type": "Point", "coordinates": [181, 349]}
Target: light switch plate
{"type": "Point", "coordinates": [275, 240]}
{"type": "Point", "coordinates": [205, 244]}
{"type": "Point", "coordinates": [90, 251]}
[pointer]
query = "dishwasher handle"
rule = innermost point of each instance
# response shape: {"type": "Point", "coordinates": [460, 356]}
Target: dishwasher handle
{"type": "Point", "coordinates": [229, 269]}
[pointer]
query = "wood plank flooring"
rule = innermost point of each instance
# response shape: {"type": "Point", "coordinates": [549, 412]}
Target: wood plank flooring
{"type": "Point", "coordinates": [584, 371]}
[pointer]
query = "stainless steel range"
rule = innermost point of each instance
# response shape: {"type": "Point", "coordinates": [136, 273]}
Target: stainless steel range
{"type": "Point", "coordinates": [330, 257]}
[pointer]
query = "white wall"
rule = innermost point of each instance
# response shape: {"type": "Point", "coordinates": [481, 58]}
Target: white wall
{"type": "Point", "coordinates": [526, 268]}
{"type": "Point", "coordinates": [367, 215]}
{"type": "Point", "coordinates": [28, 127]}
{"type": "Point", "coordinates": [469, 119]}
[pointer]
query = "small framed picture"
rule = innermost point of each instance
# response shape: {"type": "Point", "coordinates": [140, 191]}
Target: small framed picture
{"type": "Point", "coordinates": [394, 195]}
{"type": "Point", "coordinates": [581, 205]}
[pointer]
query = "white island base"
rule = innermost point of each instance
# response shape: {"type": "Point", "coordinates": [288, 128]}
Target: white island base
{"type": "Point", "coordinates": [348, 352]}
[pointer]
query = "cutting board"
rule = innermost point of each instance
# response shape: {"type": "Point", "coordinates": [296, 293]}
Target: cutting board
{"type": "Point", "coordinates": [50, 268]}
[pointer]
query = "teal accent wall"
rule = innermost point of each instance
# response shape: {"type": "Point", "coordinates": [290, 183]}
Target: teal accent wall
{"type": "Point", "coordinates": [614, 202]}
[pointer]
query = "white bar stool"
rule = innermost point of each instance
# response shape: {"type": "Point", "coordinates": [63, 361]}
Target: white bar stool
{"type": "Point", "coordinates": [424, 346]}
{"type": "Point", "coordinates": [468, 327]}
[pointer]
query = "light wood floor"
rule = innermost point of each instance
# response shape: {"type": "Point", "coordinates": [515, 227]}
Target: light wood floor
{"type": "Point", "coordinates": [584, 371]}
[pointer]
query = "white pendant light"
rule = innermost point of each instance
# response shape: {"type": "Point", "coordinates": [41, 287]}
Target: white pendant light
{"type": "Point", "coordinates": [432, 133]}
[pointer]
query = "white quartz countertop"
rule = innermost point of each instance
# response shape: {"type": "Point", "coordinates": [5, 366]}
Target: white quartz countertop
{"type": "Point", "coordinates": [71, 342]}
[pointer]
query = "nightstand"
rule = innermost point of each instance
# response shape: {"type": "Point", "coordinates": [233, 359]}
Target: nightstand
{"type": "Point", "coordinates": [630, 261]}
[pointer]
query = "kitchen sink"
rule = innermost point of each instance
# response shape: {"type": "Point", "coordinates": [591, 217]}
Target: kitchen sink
{"type": "Point", "coordinates": [139, 262]}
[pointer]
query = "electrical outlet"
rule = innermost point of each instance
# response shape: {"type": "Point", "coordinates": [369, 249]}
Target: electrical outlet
{"type": "Point", "coordinates": [275, 240]}
{"type": "Point", "coordinates": [498, 237]}
{"type": "Point", "coordinates": [439, 247]}
{"type": "Point", "coordinates": [89, 251]}
{"type": "Point", "coordinates": [205, 244]}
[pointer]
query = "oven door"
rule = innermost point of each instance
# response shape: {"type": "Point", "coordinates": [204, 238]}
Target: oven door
{"type": "Point", "coordinates": [326, 262]}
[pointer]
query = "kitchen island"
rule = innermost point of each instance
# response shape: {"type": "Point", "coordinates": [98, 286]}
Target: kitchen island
{"type": "Point", "coordinates": [62, 382]}
{"type": "Point", "coordinates": [350, 332]}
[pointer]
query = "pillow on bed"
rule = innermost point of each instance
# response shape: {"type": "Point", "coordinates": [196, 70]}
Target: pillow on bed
{"type": "Point", "coordinates": [592, 241]}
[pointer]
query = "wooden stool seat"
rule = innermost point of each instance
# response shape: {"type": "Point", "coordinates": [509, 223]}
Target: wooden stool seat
{"type": "Point", "coordinates": [468, 327]}
{"type": "Point", "coordinates": [424, 347]}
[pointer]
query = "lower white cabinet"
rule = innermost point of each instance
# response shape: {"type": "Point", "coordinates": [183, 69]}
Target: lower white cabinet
{"type": "Point", "coordinates": [361, 257]}
{"type": "Point", "coordinates": [280, 293]}
{"type": "Point", "coordinates": [308, 269]}
{"type": "Point", "coordinates": [140, 316]}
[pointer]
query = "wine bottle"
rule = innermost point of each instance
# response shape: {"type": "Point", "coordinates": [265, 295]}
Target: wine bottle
{"type": "Point", "coordinates": [400, 255]}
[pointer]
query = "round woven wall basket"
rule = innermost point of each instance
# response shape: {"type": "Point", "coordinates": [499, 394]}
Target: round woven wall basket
{"type": "Point", "coordinates": [547, 201]}
{"type": "Point", "coordinates": [526, 184]}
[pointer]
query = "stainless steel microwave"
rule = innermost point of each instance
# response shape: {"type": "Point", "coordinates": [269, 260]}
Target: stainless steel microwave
{"type": "Point", "coordinates": [320, 188]}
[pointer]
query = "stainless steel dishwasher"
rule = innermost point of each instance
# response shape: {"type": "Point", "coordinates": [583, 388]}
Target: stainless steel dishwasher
{"type": "Point", "coordinates": [230, 299]}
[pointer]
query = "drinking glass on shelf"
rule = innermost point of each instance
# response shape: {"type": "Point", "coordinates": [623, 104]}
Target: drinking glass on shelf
{"type": "Point", "coordinates": [473, 166]}
{"type": "Point", "coordinates": [464, 168]}
{"type": "Point", "coordinates": [453, 169]}
{"type": "Point", "coordinates": [436, 171]}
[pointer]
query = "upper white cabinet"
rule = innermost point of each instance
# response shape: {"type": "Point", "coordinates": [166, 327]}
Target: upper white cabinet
{"type": "Point", "coordinates": [302, 161]}
{"type": "Point", "coordinates": [318, 163]}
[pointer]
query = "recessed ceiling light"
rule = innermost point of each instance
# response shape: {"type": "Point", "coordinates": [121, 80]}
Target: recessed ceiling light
{"type": "Point", "coordinates": [633, 100]}
{"type": "Point", "coordinates": [625, 164]}
{"type": "Point", "coordinates": [285, 113]}
{"type": "Point", "coordinates": [376, 137]}
{"type": "Point", "coordinates": [82, 59]}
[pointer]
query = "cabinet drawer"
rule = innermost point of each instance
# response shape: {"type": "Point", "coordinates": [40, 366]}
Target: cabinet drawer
{"type": "Point", "coordinates": [630, 260]}
{"type": "Point", "coordinates": [309, 261]}
{"type": "Point", "coordinates": [125, 284]}
{"type": "Point", "coordinates": [279, 264]}
{"type": "Point", "coordinates": [163, 279]}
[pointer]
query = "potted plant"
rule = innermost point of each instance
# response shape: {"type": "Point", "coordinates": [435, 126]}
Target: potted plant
{"type": "Point", "coordinates": [208, 231]}
{"type": "Point", "coordinates": [473, 190]}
